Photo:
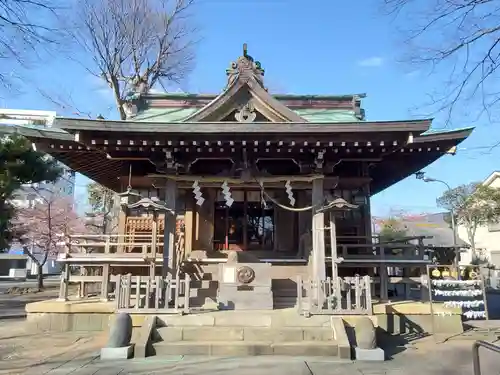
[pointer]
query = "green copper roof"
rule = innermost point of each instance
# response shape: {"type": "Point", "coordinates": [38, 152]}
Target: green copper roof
{"type": "Point", "coordinates": [446, 131]}
{"type": "Point", "coordinates": [32, 131]}
{"type": "Point", "coordinates": [164, 114]}
{"type": "Point", "coordinates": [178, 114]}
{"type": "Point", "coordinates": [327, 115]}
{"type": "Point", "coordinates": [175, 95]}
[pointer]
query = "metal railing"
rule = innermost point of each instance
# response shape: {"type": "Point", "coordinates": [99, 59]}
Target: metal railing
{"type": "Point", "coordinates": [475, 353]}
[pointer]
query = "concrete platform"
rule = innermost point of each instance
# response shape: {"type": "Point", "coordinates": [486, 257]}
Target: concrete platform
{"type": "Point", "coordinates": [95, 315]}
{"type": "Point", "coordinates": [88, 305]}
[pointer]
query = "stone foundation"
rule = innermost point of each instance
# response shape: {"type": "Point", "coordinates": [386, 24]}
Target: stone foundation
{"type": "Point", "coordinates": [94, 315]}
{"type": "Point", "coordinates": [403, 318]}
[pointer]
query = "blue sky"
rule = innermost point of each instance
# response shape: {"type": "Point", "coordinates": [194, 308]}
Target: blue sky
{"type": "Point", "coordinates": [326, 47]}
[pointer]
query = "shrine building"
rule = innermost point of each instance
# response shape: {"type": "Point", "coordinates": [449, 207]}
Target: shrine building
{"type": "Point", "coordinates": [244, 177]}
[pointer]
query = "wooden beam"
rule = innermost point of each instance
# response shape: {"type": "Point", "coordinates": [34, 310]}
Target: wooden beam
{"type": "Point", "coordinates": [330, 182]}
{"type": "Point", "coordinates": [236, 181]}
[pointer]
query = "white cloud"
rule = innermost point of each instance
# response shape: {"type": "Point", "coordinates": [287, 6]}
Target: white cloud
{"type": "Point", "coordinates": [371, 62]}
{"type": "Point", "coordinates": [156, 91]}
{"type": "Point", "coordinates": [100, 87]}
{"type": "Point", "coordinates": [412, 74]}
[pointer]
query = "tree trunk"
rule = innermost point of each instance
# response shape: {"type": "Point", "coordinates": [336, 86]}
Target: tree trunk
{"type": "Point", "coordinates": [39, 277]}
{"type": "Point", "coordinates": [472, 241]}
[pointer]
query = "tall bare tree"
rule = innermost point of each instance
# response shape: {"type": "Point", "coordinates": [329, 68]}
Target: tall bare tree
{"type": "Point", "coordinates": [461, 40]}
{"type": "Point", "coordinates": [25, 25]}
{"type": "Point", "coordinates": [135, 45]}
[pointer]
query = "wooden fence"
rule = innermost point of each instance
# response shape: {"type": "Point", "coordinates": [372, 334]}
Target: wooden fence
{"type": "Point", "coordinates": [348, 295]}
{"type": "Point", "coordinates": [158, 294]}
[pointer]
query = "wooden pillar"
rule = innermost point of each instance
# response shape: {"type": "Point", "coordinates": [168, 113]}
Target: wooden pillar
{"type": "Point", "coordinates": [284, 226]}
{"type": "Point", "coordinates": [169, 234]}
{"type": "Point", "coordinates": [105, 283]}
{"type": "Point", "coordinates": [333, 245]}
{"type": "Point", "coordinates": [204, 233]}
{"type": "Point", "coordinates": [245, 223]}
{"type": "Point", "coordinates": [154, 245]}
{"type": "Point", "coordinates": [188, 226]}
{"type": "Point", "coordinates": [384, 277]}
{"type": "Point", "coordinates": [367, 215]}
{"type": "Point", "coordinates": [122, 228]}
{"type": "Point", "coordinates": [318, 231]}
{"type": "Point", "coordinates": [63, 290]}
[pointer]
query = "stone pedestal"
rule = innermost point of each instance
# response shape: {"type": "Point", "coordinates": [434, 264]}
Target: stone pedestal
{"type": "Point", "coordinates": [125, 352]}
{"type": "Point", "coordinates": [366, 341]}
{"type": "Point", "coordinates": [118, 346]}
{"type": "Point", "coordinates": [375, 354]}
{"type": "Point", "coordinates": [245, 285]}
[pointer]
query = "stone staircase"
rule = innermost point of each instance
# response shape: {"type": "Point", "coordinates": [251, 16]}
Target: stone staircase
{"type": "Point", "coordinates": [284, 298]}
{"type": "Point", "coordinates": [231, 333]}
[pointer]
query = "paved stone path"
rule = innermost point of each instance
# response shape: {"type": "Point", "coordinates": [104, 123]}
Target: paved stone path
{"type": "Point", "coordinates": [22, 351]}
{"type": "Point", "coordinates": [13, 305]}
{"type": "Point", "coordinates": [425, 357]}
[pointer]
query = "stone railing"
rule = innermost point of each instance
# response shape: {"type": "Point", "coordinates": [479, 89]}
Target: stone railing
{"type": "Point", "coordinates": [348, 295]}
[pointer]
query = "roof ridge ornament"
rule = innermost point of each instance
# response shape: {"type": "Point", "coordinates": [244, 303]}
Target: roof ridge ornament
{"type": "Point", "coordinates": [245, 68]}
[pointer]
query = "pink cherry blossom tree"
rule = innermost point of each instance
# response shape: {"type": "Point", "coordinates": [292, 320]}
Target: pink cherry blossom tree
{"type": "Point", "coordinates": [41, 225]}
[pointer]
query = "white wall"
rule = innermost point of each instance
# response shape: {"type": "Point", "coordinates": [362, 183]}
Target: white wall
{"type": "Point", "coordinates": [27, 117]}
{"type": "Point", "coordinates": [51, 267]}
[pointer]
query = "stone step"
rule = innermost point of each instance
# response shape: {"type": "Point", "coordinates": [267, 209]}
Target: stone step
{"type": "Point", "coordinates": [285, 301]}
{"type": "Point", "coordinates": [252, 334]}
{"type": "Point", "coordinates": [246, 348]}
{"type": "Point", "coordinates": [285, 292]}
{"type": "Point", "coordinates": [287, 318]}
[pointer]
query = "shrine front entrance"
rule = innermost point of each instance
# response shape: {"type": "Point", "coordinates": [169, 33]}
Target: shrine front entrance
{"type": "Point", "coordinates": [248, 224]}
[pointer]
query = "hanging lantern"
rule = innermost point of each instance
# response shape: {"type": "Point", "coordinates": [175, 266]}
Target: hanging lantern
{"type": "Point", "coordinates": [198, 196]}
{"type": "Point", "coordinates": [129, 196]}
{"type": "Point", "coordinates": [359, 199]}
{"type": "Point", "coordinates": [227, 194]}
{"type": "Point", "coordinates": [288, 189]}
{"type": "Point", "coordinates": [151, 204]}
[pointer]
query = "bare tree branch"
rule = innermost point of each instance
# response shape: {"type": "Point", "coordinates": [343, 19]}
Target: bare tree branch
{"type": "Point", "coordinates": [460, 38]}
{"type": "Point", "coordinates": [134, 45]}
{"type": "Point", "coordinates": [25, 26]}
